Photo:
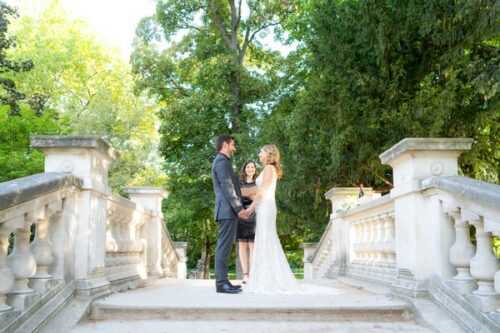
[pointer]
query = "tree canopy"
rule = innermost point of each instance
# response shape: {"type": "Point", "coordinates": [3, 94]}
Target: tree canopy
{"type": "Point", "coordinates": [215, 77]}
{"type": "Point", "coordinates": [364, 75]}
{"type": "Point", "coordinates": [89, 89]}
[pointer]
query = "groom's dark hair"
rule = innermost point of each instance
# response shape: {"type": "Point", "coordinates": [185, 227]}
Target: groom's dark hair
{"type": "Point", "coordinates": [221, 139]}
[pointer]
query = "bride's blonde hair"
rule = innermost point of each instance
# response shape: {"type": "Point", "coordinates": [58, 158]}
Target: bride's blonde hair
{"type": "Point", "coordinates": [273, 158]}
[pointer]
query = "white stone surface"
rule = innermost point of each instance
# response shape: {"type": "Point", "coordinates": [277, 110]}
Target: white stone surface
{"type": "Point", "coordinates": [412, 161]}
{"type": "Point", "coordinates": [211, 326]}
{"type": "Point", "coordinates": [199, 295]}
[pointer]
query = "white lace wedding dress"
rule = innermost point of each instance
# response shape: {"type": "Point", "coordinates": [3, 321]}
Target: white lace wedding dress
{"type": "Point", "coordinates": [269, 270]}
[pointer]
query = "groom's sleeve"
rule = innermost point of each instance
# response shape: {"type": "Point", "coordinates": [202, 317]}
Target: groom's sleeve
{"type": "Point", "coordinates": [225, 177]}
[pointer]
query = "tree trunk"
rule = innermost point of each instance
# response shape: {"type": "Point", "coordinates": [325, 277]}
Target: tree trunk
{"type": "Point", "coordinates": [236, 97]}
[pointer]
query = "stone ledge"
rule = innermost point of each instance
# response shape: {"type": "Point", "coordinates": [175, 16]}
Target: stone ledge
{"type": "Point", "coordinates": [425, 144]}
{"type": "Point", "coordinates": [120, 201]}
{"type": "Point", "coordinates": [367, 205]}
{"type": "Point", "coordinates": [343, 191]}
{"type": "Point", "coordinates": [146, 190]}
{"type": "Point", "coordinates": [80, 141]}
{"type": "Point", "coordinates": [24, 189]}
{"type": "Point", "coordinates": [471, 189]}
{"type": "Point", "coordinates": [181, 245]}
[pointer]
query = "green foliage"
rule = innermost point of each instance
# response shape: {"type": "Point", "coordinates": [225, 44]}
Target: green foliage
{"type": "Point", "coordinates": [370, 73]}
{"type": "Point", "coordinates": [214, 78]}
{"type": "Point", "coordinates": [17, 159]}
{"type": "Point", "coordinates": [9, 95]}
{"type": "Point", "coordinates": [91, 88]}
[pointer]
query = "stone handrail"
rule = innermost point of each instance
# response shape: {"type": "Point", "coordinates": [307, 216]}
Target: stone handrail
{"type": "Point", "coordinates": [64, 235]}
{"type": "Point", "coordinates": [33, 212]}
{"type": "Point", "coordinates": [467, 202]}
{"type": "Point", "coordinates": [319, 257]}
{"type": "Point", "coordinates": [417, 239]}
{"type": "Point", "coordinates": [125, 246]}
{"type": "Point", "coordinates": [368, 235]}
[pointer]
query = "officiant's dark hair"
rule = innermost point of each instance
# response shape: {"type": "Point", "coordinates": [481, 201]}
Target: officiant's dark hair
{"type": "Point", "coordinates": [243, 172]}
{"type": "Point", "coordinates": [221, 139]}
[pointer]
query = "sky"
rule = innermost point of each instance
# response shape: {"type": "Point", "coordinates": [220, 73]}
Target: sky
{"type": "Point", "coordinates": [113, 21]}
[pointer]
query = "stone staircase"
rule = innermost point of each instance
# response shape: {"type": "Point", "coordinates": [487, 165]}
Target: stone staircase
{"type": "Point", "coordinates": [193, 306]}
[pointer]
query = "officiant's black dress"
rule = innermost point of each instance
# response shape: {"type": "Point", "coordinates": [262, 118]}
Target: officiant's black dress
{"type": "Point", "coordinates": [246, 228]}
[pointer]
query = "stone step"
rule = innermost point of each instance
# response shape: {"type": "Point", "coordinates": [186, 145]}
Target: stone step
{"type": "Point", "coordinates": [197, 300]}
{"type": "Point", "coordinates": [395, 313]}
{"type": "Point", "coordinates": [214, 326]}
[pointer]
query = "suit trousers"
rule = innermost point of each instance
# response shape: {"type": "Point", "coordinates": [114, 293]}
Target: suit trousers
{"type": "Point", "coordinates": [225, 239]}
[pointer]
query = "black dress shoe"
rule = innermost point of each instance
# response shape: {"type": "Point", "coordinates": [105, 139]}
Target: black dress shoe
{"type": "Point", "coordinates": [227, 289]}
{"type": "Point", "coordinates": [236, 286]}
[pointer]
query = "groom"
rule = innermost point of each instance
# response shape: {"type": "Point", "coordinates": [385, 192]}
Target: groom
{"type": "Point", "coordinates": [228, 209]}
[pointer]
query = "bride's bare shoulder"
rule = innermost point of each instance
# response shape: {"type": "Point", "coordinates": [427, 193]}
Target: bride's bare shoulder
{"type": "Point", "coordinates": [268, 168]}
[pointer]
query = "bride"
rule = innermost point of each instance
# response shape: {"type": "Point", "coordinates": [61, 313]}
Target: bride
{"type": "Point", "coordinates": [271, 273]}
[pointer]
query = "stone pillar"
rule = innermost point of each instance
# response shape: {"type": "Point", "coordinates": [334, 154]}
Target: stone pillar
{"type": "Point", "coordinates": [309, 250]}
{"type": "Point", "coordinates": [343, 198]}
{"type": "Point", "coordinates": [88, 158]}
{"type": "Point", "coordinates": [180, 248]}
{"type": "Point", "coordinates": [150, 198]}
{"type": "Point", "coordinates": [422, 236]}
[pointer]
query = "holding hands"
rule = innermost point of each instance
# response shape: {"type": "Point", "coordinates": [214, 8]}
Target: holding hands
{"type": "Point", "coordinates": [244, 214]}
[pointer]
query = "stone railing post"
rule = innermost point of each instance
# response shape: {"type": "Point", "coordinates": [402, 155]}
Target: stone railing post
{"type": "Point", "coordinates": [422, 237]}
{"type": "Point", "coordinates": [343, 198]}
{"type": "Point", "coordinates": [180, 248]}
{"type": "Point", "coordinates": [151, 198]}
{"type": "Point", "coordinates": [309, 249]}
{"type": "Point", "coordinates": [88, 158]}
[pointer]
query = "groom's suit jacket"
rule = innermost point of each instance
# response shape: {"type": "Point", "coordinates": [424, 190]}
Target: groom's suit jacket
{"type": "Point", "coordinates": [227, 189]}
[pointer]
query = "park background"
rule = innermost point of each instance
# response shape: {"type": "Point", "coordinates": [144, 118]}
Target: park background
{"type": "Point", "coordinates": [332, 83]}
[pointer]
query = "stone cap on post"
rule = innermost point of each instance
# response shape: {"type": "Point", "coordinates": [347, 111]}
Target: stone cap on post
{"type": "Point", "coordinates": [147, 196]}
{"type": "Point", "coordinates": [309, 250]}
{"type": "Point", "coordinates": [414, 159]}
{"type": "Point", "coordinates": [45, 142]}
{"type": "Point", "coordinates": [343, 198]}
{"type": "Point", "coordinates": [181, 248]}
{"type": "Point", "coordinates": [85, 156]}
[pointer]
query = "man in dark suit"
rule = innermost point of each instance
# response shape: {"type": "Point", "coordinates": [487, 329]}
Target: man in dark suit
{"type": "Point", "coordinates": [228, 208]}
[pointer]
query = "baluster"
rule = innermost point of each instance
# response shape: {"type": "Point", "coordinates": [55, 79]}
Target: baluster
{"type": "Point", "coordinates": [364, 242]}
{"type": "Point", "coordinates": [22, 263]}
{"type": "Point", "coordinates": [389, 243]}
{"type": "Point", "coordinates": [461, 252]}
{"type": "Point", "coordinates": [42, 250]}
{"type": "Point", "coordinates": [6, 276]}
{"type": "Point", "coordinates": [371, 240]}
{"type": "Point", "coordinates": [379, 240]}
{"type": "Point", "coordinates": [355, 242]}
{"type": "Point", "coordinates": [497, 275]}
{"type": "Point", "coordinates": [483, 266]}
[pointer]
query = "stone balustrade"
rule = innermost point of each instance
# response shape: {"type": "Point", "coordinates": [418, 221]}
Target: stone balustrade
{"type": "Point", "coordinates": [471, 207]}
{"type": "Point", "coordinates": [33, 237]}
{"type": "Point", "coordinates": [63, 234]}
{"type": "Point", "coordinates": [431, 236]}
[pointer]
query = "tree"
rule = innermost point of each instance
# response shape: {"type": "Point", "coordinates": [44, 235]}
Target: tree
{"type": "Point", "coordinates": [9, 95]}
{"type": "Point", "coordinates": [17, 159]}
{"type": "Point", "coordinates": [370, 73]}
{"type": "Point", "coordinates": [19, 117]}
{"type": "Point", "coordinates": [91, 88]}
{"type": "Point", "coordinates": [215, 77]}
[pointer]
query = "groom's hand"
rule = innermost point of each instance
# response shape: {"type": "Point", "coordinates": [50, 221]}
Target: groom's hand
{"type": "Point", "coordinates": [244, 214]}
